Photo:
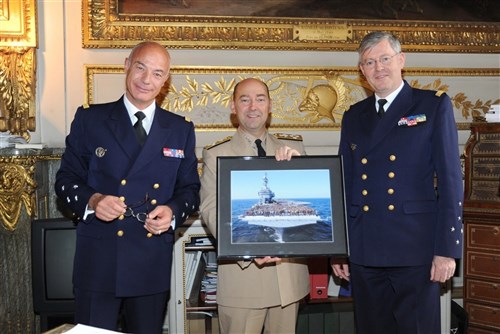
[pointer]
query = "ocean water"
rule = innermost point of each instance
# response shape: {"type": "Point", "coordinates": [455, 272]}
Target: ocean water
{"type": "Point", "coordinates": [242, 232]}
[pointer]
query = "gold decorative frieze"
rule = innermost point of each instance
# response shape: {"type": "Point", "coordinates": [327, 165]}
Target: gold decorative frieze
{"type": "Point", "coordinates": [309, 98]}
{"type": "Point", "coordinates": [104, 26]}
{"type": "Point", "coordinates": [17, 188]}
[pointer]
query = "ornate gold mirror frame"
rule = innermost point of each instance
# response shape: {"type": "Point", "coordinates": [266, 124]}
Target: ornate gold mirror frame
{"type": "Point", "coordinates": [104, 26]}
{"type": "Point", "coordinates": [18, 43]}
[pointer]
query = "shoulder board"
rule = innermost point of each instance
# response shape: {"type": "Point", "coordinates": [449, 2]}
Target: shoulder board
{"type": "Point", "coordinates": [285, 136]}
{"type": "Point", "coordinates": [217, 143]}
{"type": "Point", "coordinates": [439, 93]}
{"type": "Point", "coordinates": [85, 106]}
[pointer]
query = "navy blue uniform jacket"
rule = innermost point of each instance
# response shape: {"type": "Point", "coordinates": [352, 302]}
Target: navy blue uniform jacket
{"type": "Point", "coordinates": [103, 155]}
{"type": "Point", "coordinates": [396, 216]}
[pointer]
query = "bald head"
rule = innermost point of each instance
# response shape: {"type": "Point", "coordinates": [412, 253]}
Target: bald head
{"type": "Point", "coordinates": [147, 69]}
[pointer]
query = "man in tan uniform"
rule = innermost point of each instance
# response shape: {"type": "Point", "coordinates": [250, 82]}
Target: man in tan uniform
{"type": "Point", "coordinates": [263, 293]}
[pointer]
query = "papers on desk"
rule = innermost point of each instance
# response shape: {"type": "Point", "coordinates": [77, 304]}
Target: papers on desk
{"type": "Point", "coordinates": [84, 329]}
{"type": "Point", "coordinates": [9, 140]}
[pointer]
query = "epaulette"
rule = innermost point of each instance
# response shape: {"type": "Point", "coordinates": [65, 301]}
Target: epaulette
{"type": "Point", "coordinates": [85, 106]}
{"type": "Point", "coordinates": [217, 143]}
{"type": "Point", "coordinates": [440, 92]}
{"type": "Point", "coordinates": [286, 136]}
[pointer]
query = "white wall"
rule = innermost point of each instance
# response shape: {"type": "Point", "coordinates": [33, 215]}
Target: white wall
{"type": "Point", "coordinates": [60, 85]}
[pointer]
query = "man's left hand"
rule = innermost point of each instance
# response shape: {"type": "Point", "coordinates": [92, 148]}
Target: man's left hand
{"type": "Point", "coordinates": [285, 153]}
{"type": "Point", "coordinates": [159, 220]}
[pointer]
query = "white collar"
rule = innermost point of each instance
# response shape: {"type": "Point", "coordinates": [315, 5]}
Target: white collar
{"type": "Point", "coordinates": [149, 111]}
{"type": "Point", "coordinates": [391, 97]}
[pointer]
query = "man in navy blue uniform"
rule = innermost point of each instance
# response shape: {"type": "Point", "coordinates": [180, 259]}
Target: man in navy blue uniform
{"type": "Point", "coordinates": [129, 173]}
{"type": "Point", "coordinates": [404, 196]}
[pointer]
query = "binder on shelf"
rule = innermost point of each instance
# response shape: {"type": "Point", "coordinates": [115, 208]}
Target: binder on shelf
{"type": "Point", "coordinates": [194, 294]}
{"type": "Point", "coordinates": [192, 271]}
{"type": "Point", "coordinates": [345, 289]}
{"type": "Point", "coordinates": [318, 277]}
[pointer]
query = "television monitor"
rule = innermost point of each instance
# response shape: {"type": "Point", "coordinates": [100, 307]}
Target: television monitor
{"type": "Point", "coordinates": [53, 244]}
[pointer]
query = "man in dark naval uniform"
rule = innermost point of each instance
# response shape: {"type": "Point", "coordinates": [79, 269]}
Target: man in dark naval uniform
{"type": "Point", "coordinates": [405, 230]}
{"type": "Point", "coordinates": [129, 173]}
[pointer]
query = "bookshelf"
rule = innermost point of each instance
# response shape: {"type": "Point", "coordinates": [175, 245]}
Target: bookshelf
{"type": "Point", "coordinates": [193, 257]}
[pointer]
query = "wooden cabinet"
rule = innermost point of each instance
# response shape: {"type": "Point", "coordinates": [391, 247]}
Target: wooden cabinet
{"type": "Point", "coordinates": [482, 228]}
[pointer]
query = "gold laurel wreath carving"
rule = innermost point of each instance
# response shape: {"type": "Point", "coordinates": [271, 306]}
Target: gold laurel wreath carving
{"type": "Point", "coordinates": [289, 104]}
{"type": "Point", "coordinates": [185, 98]}
{"type": "Point", "coordinates": [210, 88]}
{"type": "Point", "coordinates": [469, 109]}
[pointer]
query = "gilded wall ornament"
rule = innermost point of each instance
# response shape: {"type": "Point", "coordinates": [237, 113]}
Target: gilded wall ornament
{"type": "Point", "coordinates": [17, 91]}
{"type": "Point", "coordinates": [17, 189]}
{"type": "Point", "coordinates": [18, 42]}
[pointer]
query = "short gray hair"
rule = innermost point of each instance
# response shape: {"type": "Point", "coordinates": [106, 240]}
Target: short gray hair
{"type": "Point", "coordinates": [375, 37]}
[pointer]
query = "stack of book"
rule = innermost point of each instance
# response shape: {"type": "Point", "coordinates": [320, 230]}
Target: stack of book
{"type": "Point", "coordinates": [208, 291]}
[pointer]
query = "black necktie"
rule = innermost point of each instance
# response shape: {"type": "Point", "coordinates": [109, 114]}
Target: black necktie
{"type": "Point", "coordinates": [139, 129]}
{"type": "Point", "coordinates": [381, 110]}
{"type": "Point", "coordinates": [260, 150]}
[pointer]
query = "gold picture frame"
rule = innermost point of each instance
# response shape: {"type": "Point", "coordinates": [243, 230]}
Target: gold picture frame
{"type": "Point", "coordinates": [18, 43]}
{"type": "Point", "coordinates": [18, 26]}
{"type": "Point", "coordinates": [304, 98]}
{"type": "Point", "coordinates": [104, 26]}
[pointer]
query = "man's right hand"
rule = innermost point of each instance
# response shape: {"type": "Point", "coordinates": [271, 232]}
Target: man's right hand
{"type": "Point", "coordinates": [106, 207]}
{"type": "Point", "coordinates": [340, 268]}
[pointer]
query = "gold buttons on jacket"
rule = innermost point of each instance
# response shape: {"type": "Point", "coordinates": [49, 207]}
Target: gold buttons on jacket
{"type": "Point", "coordinates": [153, 202]}
{"type": "Point", "coordinates": [122, 198]}
{"type": "Point", "coordinates": [390, 207]}
{"type": "Point", "coordinates": [123, 182]}
{"type": "Point", "coordinates": [390, 191]}
{"type": "Point", "coordinates": [392, 157]}
{"type": "Point", "coordinates": [364, 192]}
{"type": "Point", "coordinates": [364, 176]}
{"type": "Point", "coordinates": [391, 175]}
{"type": "Point", "coordinates": [156, 186]}
{"type": "Point", "coordinates": [366, 208]}
{"type": "Point", "coordinates": [364, 161]}
{"type": "Point", "coordinates": [149, 235]}
{"type": "Point", "coordinates": [120, 233]}
{"type": "Point", "coordinates": [121, 217]}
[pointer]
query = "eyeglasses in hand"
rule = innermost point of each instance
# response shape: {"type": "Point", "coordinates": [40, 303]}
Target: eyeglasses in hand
{"type": "Point", "coordinates": [384, 60]}
{"type": "Point", "coordinates": [140, 216]}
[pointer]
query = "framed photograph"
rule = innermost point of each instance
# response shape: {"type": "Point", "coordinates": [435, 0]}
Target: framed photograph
{"type": "Point", "coordinates": [290, 208]}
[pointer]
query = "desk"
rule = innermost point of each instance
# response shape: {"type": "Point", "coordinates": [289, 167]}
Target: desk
{"type": "Point", "coordinates": [60, 329]}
